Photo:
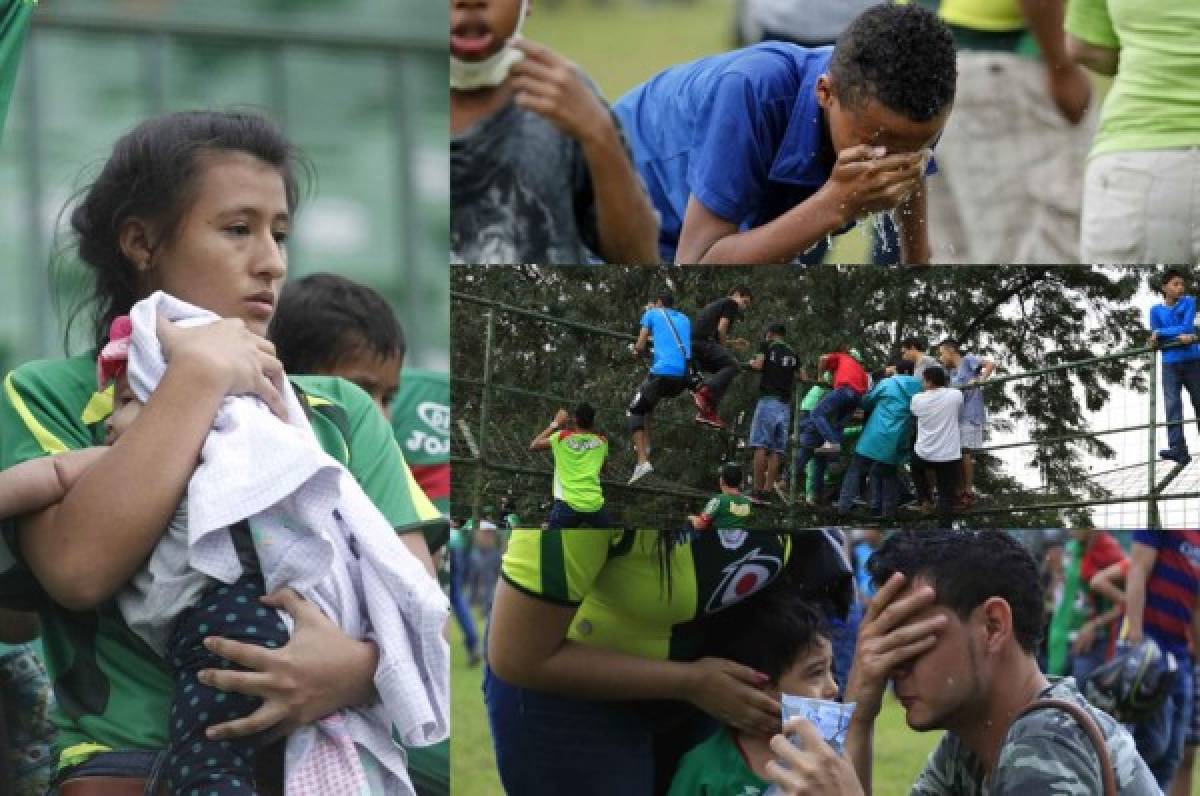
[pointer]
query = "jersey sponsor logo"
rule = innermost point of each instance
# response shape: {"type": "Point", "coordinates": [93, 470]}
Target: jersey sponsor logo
{"type": "Point", "coordinates": [732, 538]}
{"type": "Point", "coordinates": [431, 444]}
{"type": "Point", "coordinates": [580, 444]}
{"type": "Point", "coordinates": [739, 509]}
{"type": "Point", "coordinates": [435, 415]}
{"type": "Point", "coordinates": [744, 577]}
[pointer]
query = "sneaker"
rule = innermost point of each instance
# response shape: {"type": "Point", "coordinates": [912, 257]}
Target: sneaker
{"type": "Point", "coordinates": [703, 400]}
{"type": "Point", "coordinates": [709, 418]}
{"type": "Point", "coordinates": [828, 449]}
{"type": "Point", "coordinates": [1181, 457]}
{"type": "Point", "coordinates": [641, 471]}
{"type": "Point", "coordinates": [781, 490]}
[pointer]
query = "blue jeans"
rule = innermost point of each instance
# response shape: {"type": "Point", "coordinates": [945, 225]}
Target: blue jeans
{"type": "Point", "coordinates": [1160, 738]}
{"type": "Point", "coordinates": [563, 516]}
{"type": "Point", "coordinates": [132, 763]}
{"type": "Point", "coordinates": [830, 414]}
{"type": "Point", "coordinates": [885, 486]}
{"type": "Point", "coordinates": [547, 745]}
{"type": "Point", "coordinates": [808, 440]}
{"type": "Point", "coordinates": [458, 601]}
{"type": "Point", "coordinates": [1175, 377]}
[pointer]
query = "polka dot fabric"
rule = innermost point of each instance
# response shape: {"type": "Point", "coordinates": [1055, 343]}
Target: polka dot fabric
{"type": "Point", "coordinates": [196, 765]}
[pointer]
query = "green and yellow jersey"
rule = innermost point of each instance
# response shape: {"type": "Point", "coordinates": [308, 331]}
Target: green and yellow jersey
{"type": "Point", "coordinates": [578, 457]}
{"type": "Point", "coordinates": [726, 512]}
{"type": "Point", "coordinates": [613, 577]}
{"type": "Point", "coordinates": [113, 691]}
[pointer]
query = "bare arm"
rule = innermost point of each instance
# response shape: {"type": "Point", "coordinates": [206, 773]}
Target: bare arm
{"type": "Point", "coordinates": [757, 364]}
{"type": "Point", "coordinates": [1106, 584]}
{"type": "Point", "coordinates": [859, 183]}
{"type": "Point", "coordinates": [542, 440]}
{"type": "Point", "coordinates": [913, 220]}
{"type": "Point", "coordinates": [1101, 60]}
{"type": "Point", "coordinates": [416, 544]}
{"type": "Point", "coordinates": [550, 85]}
{"type": "Point", "coordinates": [39, 483]}
{"type": "Point", "coordinates": [158, 454]}
{"type": "Point", "coordinates": [642, 340]}
{"type": "Point", "coordinates": [1068, 85]}
{"type": "Point", "coordinates": [1140, 564]}
{"type": "Point", "coordinates": [528, 647]}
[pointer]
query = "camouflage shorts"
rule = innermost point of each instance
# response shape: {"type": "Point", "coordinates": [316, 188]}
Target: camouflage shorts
{"type": "Point", "coordinates": [26, 695]}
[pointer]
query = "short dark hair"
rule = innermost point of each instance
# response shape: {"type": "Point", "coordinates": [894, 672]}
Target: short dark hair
{"type": "Point", "coordinates": [585, 415]}
{"type": "Point", "coordinates": [901, 56]}
{"type": "Point", "coordinates": [666, 297]}
{"type": "Point", "coordinates": [323, 318]}
{"type": "Point", "coordinates": [777, 328]}
{"type": "Point", "coordinates": [1168, 275]}
{"type": "Point", "coordinates": [919, 343]}
{"type": "Point", "coordinates": [769, 637]}
{"type": "Point", "coordinates": [966, 568]}
{"type": "Point", "coordinates": [935, 375]}
{"type": "Point", "coordinates": [731, 474]}
{"type": "Point", "coordinates": [742, 290]}
{"type": "Point", "coordinates": [153, 173]}
{"type": "Point", "coordinates": [906, 367]}
{"type": "Point", "coordinates": [950, 341]}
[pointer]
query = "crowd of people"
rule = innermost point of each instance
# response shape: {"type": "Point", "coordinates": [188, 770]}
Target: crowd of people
{"type": "Point", "coordinates": [185, 639]}
{"type": "Point", "coordinates": [970, 125]}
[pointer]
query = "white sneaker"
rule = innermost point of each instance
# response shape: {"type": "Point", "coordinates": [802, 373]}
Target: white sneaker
{"type": "Point", "coordinates": [828, 449]}
{"type": "Point", "coordinates": [641, 471]}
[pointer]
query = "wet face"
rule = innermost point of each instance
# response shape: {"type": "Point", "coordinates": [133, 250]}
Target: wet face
{"type": "Point", "coordinates": [874, 124]}
{"type": "Point", "coordinates": [378, 375]}
{"type": "Point", "coordinates": [480, 28]}
{"type": "Point", "coordinates": [125, 408]}
{"type": "Point", "coordinates": [812, 673]}
{"type": "Point", "coordinates": [228, 254]}
{"type": "Point", "coordinates": [1173, 289]}
{"type": "Point", "coordinates": [936, 686]}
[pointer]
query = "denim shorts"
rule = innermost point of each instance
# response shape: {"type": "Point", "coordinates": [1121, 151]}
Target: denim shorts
{"type": "Point", "coordinates": [769, 429]}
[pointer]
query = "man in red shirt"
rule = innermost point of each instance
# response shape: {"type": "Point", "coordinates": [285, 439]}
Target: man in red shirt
{"type": "Point", "coordinates": [821, 432]}
{"type": "Point", "coordinates": [1092, 645]}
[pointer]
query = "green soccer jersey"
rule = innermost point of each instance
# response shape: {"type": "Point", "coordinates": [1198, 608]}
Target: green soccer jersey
{"type": "Point", "coordinates": [14, 22]}
{"type": "Point", "coordinates": [578, 457]}
{"type": "Point", "coordinates": [421, 421]}
{"type": "Point", "coordinates": [727, 512]}
{"type": "Point", "coordinates": [113, 691]}
{"type": "Point", "coordinates": [716, 767]}
{"type": "Point", "coordinates": [613, 577]}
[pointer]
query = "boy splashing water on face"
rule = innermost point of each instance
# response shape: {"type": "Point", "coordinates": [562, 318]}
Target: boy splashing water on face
{"type": "Point", "coordinates": [538, 167]}
{"type": "Point", "coordinates": [756, 155]}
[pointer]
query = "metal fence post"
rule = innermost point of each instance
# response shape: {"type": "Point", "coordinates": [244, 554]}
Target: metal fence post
{"type": "Point", "coordinates": [1151, 454]}
{"type": "Point", "coordinates": [484, 404]}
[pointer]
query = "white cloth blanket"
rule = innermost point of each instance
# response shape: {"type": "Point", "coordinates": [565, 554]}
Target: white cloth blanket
{"type": "Point", "coordinates": [316, 531]}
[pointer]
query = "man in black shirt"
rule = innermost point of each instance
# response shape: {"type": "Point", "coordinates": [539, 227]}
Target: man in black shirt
{"type": "Point", "coordinates": [769, 430]}
{"type": "Point", "coordinates": [709, 338]}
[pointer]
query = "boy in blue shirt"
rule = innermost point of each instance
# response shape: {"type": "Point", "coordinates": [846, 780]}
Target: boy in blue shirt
{"type": "Point", "coordinates": [671, 332]}
{"type": "Point", "coordinates": [756, 155]}
{"type": "Point", "coordinates": [1174, 321]}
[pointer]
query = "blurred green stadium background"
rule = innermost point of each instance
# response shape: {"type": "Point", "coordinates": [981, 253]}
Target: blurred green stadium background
{"type": "Point", "coordinates": [359, 85]}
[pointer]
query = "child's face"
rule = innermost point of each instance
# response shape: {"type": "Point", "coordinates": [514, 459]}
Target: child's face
{"type": "Point", "coordinates": [1173, 289]}
{"type": "Point", "coordinates": [874, 124]}
{"type": "Point", "coordinates": [378, 375]}
{"type": "Point", "coordinates": [479, 28]}
{"type": "Point", "coordinates": [811, 675]}
{"type": "Point", "coordinates": [125, 408]}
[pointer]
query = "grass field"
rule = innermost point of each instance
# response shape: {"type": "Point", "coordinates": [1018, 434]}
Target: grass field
{"type": "Point", "coordinates": [899, 752]}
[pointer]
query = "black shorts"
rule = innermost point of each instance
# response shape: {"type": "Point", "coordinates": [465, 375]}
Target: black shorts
{"type": "Point", "coordinates": [652, 390]}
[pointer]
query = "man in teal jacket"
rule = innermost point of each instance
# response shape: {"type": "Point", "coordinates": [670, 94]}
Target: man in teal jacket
{"type": "Point", "coordinates": [883, 445]}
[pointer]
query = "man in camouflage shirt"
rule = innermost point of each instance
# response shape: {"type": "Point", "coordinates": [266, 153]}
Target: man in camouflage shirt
{"type": "Point", "coordinates": [955, 625]}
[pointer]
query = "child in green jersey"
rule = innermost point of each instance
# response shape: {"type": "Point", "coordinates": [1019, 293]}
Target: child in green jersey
{"type": "Point", "coordinates": [784, 638]}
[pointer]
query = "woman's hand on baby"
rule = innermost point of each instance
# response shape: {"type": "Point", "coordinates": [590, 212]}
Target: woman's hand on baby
{"type": "Point", "coordinates": [244, 363]}
{"type": "Point", "coordinates": [320, 670]}
{"type": "Point", "coordinates": [733, 694]}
